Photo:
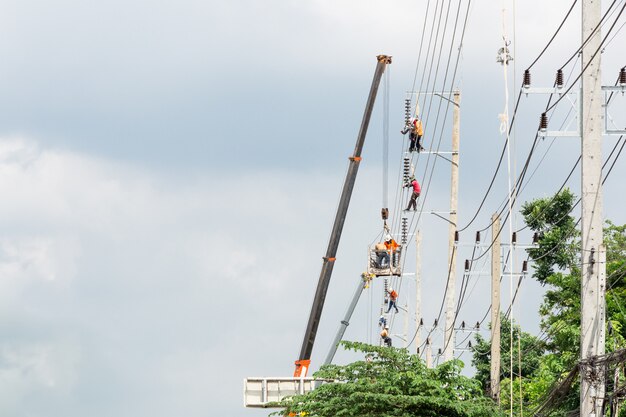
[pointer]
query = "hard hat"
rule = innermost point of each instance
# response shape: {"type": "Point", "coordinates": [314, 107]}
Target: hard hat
{"type": "Point", "coordinates": [386, 327]}
{"type": "Point", "coordinates": [390, 289]}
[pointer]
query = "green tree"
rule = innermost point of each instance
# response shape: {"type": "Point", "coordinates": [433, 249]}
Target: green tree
{"type": "Point", "coordinates": [532, 350]}
{"type": "Point", "coordinates": [391, 382]}
{"type": "Point", "coordinates": [556, 262]}
{"type": "Point", "coordinates": [557, 265]}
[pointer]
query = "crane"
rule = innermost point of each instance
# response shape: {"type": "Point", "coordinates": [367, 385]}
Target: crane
{"type": "Point", "coordinates": [304, 360]}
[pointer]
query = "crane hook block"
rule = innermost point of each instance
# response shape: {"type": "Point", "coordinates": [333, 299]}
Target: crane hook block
{"type": "Point", "coordinates": [384, 212]}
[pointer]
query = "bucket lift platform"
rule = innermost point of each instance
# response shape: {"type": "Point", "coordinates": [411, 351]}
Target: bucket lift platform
{"type": "Point", "coordinates": [392, 268]}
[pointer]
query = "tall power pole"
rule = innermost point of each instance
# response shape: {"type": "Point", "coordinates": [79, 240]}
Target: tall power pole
{"type": "Point", "coordinates": [495, 308]}
{"type": "Point", "coordinates": [593, 267]}
{"type": "Point", "coordinates": [454, 192]}
{"type": "Point", "coordinates": [418, 289]}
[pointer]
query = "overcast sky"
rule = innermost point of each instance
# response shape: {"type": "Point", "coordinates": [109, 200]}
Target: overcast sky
{"type": "Point", "coordinates": [169, 174]}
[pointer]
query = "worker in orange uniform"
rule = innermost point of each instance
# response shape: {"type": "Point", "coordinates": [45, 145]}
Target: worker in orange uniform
{"type": "Point", "coordinates": [391, 246]}
{"type": "Point", "coordinates": [416, 193]}
{"type": "Point", "coordinates": [393, 296]}
{"type": "Point", "coordinates": [416, 131]}
{"type": "Point", "coordinates": [385, 336]}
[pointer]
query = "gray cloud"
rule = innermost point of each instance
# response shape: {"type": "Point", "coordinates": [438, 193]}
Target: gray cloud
{"type": "Point", "coordinates": [169, 176]}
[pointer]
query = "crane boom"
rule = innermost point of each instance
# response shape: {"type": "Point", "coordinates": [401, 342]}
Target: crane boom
{"type": "Point", "coordinates": [302, 364]}
{"type": "Point", "coordinates": [343, 325]}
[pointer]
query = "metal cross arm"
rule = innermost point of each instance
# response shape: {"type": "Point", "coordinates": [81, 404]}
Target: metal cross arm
{"type": "Point", "coordinates": [609, 93]}
{"type": "Point", "coordinates": [573, 97]}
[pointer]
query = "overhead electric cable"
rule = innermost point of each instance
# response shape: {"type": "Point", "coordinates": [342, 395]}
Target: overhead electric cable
{"type": "Point", "coordinates": [591, 60]}
{"type": "Point", "coordinates": [553, 36]}
{"type": "Point", "coordinates": [516, 106]}
{"type": "Point", "coordinates": [600, 23]}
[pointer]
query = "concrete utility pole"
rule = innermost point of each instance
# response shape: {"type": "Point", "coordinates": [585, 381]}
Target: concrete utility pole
{"type": "Point", "coordinates": [593, 266]}
{"type": "Point", "coordinates": [418, 289]}
{"type": "Point", "coordinates": [496, 269]}
{"type": "Point", "coordinates": [448, 353]}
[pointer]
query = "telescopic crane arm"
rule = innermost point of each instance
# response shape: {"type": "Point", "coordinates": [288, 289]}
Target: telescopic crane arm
{"type": "Point", "coordinates": [302, 364]}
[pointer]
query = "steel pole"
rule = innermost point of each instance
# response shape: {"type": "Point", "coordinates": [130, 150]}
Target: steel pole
{"type": "Point", "coordinates": [342, 209]}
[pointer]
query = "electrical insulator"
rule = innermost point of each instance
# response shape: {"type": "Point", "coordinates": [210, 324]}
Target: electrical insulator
{"type": "Point", "coordinates": [514, 238]}
{"type": "Point", "coordinates": [406, 169]}
{"type": "Point", "coordinates": [405, 230]}
{"type": "Point", "coordinates": [463, 324]}
{"type": "Point", "coordinates": [439, 351]}
{"type": "Point", "coordinates": [622, 77]}
{"type": "Point", "coordinates": [525, 267]}
{"type": "Point", "coordinates": [469, 344]}
{"type": "Point", "coordinates": [384, 213]}
{"type": "Point", "coordinates": [477, 325]}
{"type": "Point", "coordinates": [478, 237]}
{"type": "Point", "coordinates": [428, 340]}
{"type": "Point", "coordinates": [456, 236]}
{"type": "Point", "coordinates": [559, 78]}
{"type": "Point", "coordinates": [386, 285]}
{"type": "Point", "coordinates": [543, 125]}
{"type": "Point", "coordinates": [535, 238]}
{"type": "Point", "coordinates": [526, 83]}
{"type": "Point", "coordinates": [407, 110]}
{"type": "Point", "coordinates": [421, 322]}
{"type": "Point", "coordinates": [436, 321]}
{"type": "Point", "coordinates": [466, 265]}
{"type": "Point", "coordinates": [591, 258]}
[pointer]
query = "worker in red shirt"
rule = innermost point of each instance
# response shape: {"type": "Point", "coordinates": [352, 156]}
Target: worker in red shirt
{"type": "Point", "coordinates": [416, 193]}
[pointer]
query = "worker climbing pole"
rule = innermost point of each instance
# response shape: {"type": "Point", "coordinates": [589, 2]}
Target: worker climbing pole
{"type": "Point", "coordinates": [304, 360]}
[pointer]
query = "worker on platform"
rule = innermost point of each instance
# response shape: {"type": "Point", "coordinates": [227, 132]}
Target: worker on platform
{"type": "Point", "coordinates": [385, 336]}
{"type": "Point", "coordinates": [392, 249]}
{"type": "Point", "coordinates": [416, 193]}
{"type": "Point", "coordinates": [382, 256]}
{"type": "Point", "coordinates": [416, 130]}
{"type": "Point", "coordinates": [393, 297]}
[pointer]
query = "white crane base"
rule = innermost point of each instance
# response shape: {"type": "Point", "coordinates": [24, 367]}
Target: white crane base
{"type": "Point", "coordinates": [263, 392]}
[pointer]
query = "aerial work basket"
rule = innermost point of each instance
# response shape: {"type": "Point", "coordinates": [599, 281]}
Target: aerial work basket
{"type": "Point", "coordinates": [384, 262]}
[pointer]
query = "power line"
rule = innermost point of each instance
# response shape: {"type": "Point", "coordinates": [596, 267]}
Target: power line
{"type": "Point", "coordinates": [553, 36]}
{"type": "Point", "coordinates": [590, 59]}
